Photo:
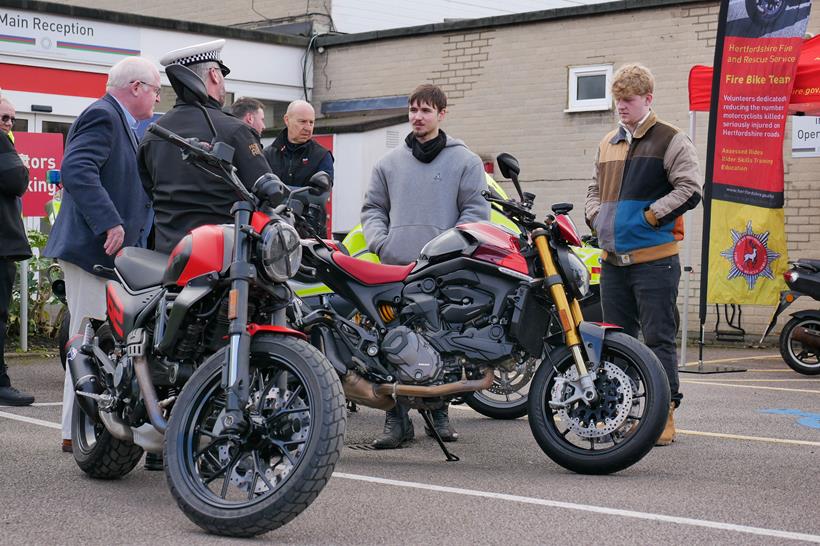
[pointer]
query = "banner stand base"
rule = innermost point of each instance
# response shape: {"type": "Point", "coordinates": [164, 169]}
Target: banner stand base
{"type": "Point", "coordinates": [700, 368]}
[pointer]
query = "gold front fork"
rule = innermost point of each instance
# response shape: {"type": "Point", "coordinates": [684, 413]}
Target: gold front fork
{"type": "Point", "coordinates": [569, 313]}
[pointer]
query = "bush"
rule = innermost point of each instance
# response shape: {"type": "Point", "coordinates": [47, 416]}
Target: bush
{"type": "Point", "coordinates": [43, 320]}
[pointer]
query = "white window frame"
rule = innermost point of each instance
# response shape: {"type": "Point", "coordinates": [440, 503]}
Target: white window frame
{"type": "Point", "coordinates": [589, 105]}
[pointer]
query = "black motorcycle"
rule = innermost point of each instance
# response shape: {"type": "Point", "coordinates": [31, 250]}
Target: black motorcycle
{"type": "Point", "coordinates": [800, 338]}
{"type": "Point", "coordinates": [257, 415]}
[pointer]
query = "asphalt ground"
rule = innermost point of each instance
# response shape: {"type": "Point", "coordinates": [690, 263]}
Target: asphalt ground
{"type": "Point", "coordinates": [743, 471]}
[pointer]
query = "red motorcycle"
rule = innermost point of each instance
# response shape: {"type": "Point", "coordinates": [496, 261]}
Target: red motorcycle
{"type": "Point", "coordinates": [482, 298]}
{"type": "Point", "coordinates": [257, 414]}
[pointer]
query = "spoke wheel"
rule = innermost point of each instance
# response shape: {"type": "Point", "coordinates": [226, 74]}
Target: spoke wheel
{"type": "Point", "coordinates": [245, 484]}
{"type": "Point", "coordinates": [799, 356]}
{"type": "Point", "coordinates": [96, 451]}
{"type": "Point", "coordinates": [618, 429]}
{"type": "Point", "coordinates": [507, 398]}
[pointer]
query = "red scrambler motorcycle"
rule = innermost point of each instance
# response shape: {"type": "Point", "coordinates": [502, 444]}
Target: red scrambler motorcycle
{"type": "Point", "coordinates": [257, 414]}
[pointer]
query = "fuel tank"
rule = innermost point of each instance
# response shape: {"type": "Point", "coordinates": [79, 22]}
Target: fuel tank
{"type": "Point", "coordinates": [479, 240]}
{"type": "Point", "coordinates": [203, 250]}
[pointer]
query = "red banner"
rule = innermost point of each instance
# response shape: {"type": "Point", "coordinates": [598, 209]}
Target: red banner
{"type": "Point", "coordinates": [40, 152]}
{"type": "Point", "coordinates": [756, 61]}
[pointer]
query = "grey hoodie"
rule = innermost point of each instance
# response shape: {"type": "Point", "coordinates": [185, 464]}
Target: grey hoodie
{"type": "Point", "coordinates": [408, 202]}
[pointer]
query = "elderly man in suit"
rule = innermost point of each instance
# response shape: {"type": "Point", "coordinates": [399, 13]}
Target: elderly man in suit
{"type": "Point", "coordinates": [104, 206]}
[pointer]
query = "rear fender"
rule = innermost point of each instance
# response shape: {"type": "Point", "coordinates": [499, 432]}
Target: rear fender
{"type": "Point", "coordinates": [787, 297]}
{"type": "Point", "coordinates": [808, 314]}
{"type": "Point", "coordinates": [593, 335]}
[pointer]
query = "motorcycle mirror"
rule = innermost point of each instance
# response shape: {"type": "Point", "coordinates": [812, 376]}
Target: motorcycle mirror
{"type": "Point", "coordinates": [190, 89]}
{"type": "Point", "coordinates": [320, 183]}
{"type": "Point", "coordinates": [510, 169]}
{"type": "Point", "coordinates": [269, 188]}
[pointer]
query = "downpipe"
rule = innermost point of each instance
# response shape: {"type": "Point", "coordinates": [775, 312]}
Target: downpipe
{"type": "Point", "coordinates": [137, 346]}
{"type": "Point", "coordinates": [371, 395]}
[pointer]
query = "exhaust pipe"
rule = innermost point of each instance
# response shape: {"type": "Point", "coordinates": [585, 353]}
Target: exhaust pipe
{"type": "Point", "coordinates": [149, 395]}
{"type": "Point", "coordinates": [84, 377]}
{"type": "Point", "coordinates": [362, 391]}
{"type": "Point", "coordinates": [809, 338]}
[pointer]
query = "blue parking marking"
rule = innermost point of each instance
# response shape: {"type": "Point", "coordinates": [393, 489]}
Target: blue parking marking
{"type": "Point", "coordinates": [811, 420]}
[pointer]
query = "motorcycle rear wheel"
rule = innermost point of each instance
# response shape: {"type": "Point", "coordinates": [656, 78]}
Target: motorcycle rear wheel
{"type": "Point", "coordinates": [246, 485]}
{"type": "Point", "coordinates": [96, 451]}
{"type": "Point", "coordinates": [618, 430]}
{"type": "Point", "coordinates": [507, 398]}
{"type": "Point", "coordinates": [798, 356]}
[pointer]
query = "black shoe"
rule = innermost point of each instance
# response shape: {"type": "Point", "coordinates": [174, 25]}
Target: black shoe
{"type": "Point", "coordinates": [9, 396]}
{"type": "Point", "coordinates": [398, 429]}
{"type": "Point", "coordinates": [441, 422]}
{"type": "Point", "coordinates": [153, 461]}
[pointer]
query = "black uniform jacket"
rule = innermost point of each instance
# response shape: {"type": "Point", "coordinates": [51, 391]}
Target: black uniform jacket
{"type": "Point", "coordinates": [184, 197]}
{"type": "Point", "coordinates": [13, 184]}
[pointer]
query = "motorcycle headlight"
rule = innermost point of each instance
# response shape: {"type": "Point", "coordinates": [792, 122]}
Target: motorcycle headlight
{"type": "Point", "coordinates": [280, 252]}
{"type": "Point", "coordinates": [578, 276]}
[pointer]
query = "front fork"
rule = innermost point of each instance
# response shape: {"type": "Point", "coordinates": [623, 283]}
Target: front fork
{"type": "Point", "coordinates": [569, 315]}
{"type": "Point", "coordinates": [236, 375]}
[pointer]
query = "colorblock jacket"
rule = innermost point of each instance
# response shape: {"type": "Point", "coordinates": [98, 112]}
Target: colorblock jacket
{"type": "Point", "coordinates": [641, 190]}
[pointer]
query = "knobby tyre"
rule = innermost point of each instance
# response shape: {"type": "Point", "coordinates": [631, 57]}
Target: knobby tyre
{"type": "Point", "coordinates": [799, 357]}
{"type": "Point", "coordinates": [247, 485]}
{"type": "Point", "coordinates": [619, 429]}
{"type": "Point", "coordinates": [96, 451]}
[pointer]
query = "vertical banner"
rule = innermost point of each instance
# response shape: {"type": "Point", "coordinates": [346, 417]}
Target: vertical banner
{"type": "Point", "coordinates": [40, 152]}
{"type": "Point", "coordinates": [744, 244]}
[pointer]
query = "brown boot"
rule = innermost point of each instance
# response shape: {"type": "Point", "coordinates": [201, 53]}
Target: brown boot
{"type": "Point", "coordinates": [668, 434]}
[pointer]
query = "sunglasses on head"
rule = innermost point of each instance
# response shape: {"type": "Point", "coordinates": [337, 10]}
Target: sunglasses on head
{"type": "Point", "coordinates": [8, 119]}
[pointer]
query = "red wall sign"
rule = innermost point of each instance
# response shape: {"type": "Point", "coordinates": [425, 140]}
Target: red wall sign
{"type": "Point", "coordinates": [40, 152]}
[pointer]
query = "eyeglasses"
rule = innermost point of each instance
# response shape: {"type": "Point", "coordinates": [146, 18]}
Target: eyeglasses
{"type": "Point", "coordinates": [155, 88]}
{"type": "Point", "coordinates": [8, 119]}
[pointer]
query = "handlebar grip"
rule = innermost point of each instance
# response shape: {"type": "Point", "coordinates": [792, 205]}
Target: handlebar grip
{"type": "Point", "coordinates": [163, 133]}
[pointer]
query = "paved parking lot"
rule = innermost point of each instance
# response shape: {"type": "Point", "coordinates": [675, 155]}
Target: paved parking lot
{"type": "Point", "coordinates": [743, 471]}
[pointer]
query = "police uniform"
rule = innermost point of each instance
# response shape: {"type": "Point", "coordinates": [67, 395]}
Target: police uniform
{"type": "Point", "coordinates": [183, 196]}
{"type": "Point", "coordinates": [294, 164]}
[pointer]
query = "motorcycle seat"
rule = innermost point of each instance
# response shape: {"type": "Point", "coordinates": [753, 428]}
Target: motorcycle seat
{"type": "Point", "coordinates": [806, 263]}
{"type": "Point", "coordinates": [141, 268]}
{"type": "Point", "coordinates": [370, 273]}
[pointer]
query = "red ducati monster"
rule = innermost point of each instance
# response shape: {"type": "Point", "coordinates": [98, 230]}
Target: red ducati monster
{"type": "Point", "coordinates": [257, 414]}
{"type": "Point", "coordinates": [480, 298]}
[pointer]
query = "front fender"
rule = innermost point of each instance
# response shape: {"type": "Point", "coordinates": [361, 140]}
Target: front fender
{"type": "Point", "coordinates": [254, 329]}
{"type": "Point", "coordinates": [593, 335]}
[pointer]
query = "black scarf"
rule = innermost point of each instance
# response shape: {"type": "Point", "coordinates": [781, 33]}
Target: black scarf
{"type": "Point", "coordinates": [427, 151]}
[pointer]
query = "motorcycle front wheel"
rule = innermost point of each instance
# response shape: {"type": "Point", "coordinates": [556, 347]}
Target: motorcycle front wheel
{"type": "Point", "coordinates": [799, 356]}
{"type": "Point", "coordinates": [616, 431]}
{"type": "Point", "coordinates": [765, 11]}
{"type": "Point", "coordinates": [243, 485]}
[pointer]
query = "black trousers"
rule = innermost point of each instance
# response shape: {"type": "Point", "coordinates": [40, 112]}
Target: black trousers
{"type": "Point", "coordinates": [642, 298]}
{"type": "Point", "coordinates": [7, 271]}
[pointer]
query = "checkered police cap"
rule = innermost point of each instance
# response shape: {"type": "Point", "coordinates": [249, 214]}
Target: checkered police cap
{"type": "Point", "coordinates": [199, 53]}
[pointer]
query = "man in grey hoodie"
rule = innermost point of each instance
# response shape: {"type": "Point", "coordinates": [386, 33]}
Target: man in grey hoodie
{"type": "Point", "coordinates": [429, 185]}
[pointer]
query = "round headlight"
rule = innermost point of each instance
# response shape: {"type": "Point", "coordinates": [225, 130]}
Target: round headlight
{"type": "Point", "coordinates": [280, 252]}
{"type": "Point", "coordinates": [578, 276]}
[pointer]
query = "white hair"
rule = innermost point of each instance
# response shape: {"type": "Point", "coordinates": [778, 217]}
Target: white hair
{"type": "Point", "coordinates": [129, 70]}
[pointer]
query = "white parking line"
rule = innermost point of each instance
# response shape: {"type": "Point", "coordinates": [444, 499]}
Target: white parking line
{"type": "Point", "coordinates": [782, 389]}
{"type": "Point", "coordinates": [31, 420]}
{"type": "Point", "coordinates": [586, 508]}
{"type": "Point", "coordinates": [761, 531]}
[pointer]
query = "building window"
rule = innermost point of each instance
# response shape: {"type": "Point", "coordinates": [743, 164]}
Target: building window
{"type": "Point", "coordinates": [589, 88]}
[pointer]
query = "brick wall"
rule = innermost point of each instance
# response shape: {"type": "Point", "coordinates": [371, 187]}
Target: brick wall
{"type": "Point", "coordinates": [508, 91]}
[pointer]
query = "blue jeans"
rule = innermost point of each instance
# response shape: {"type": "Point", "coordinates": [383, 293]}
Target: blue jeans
{"type": "Point", "coordinates": [643, 297]}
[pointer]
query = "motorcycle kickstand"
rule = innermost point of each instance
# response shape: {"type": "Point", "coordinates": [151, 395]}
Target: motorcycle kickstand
{"type": "Point", "coordinates": [429, 420]}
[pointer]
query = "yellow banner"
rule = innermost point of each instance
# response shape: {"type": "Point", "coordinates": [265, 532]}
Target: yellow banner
{"type": "Point", "coordinates": [747, 254]}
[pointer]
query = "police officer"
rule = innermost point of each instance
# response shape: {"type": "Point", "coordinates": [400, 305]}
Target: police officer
{"type": "Point", "coordinates": [294, 157]}
{"type": "Point", "coordinates": [184, 197]}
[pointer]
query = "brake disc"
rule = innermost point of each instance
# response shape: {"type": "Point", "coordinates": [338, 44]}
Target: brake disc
{"type": "Point", "coordinates": [511, 382]}
{"type": "Point", "coordinates": [607, 414]}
